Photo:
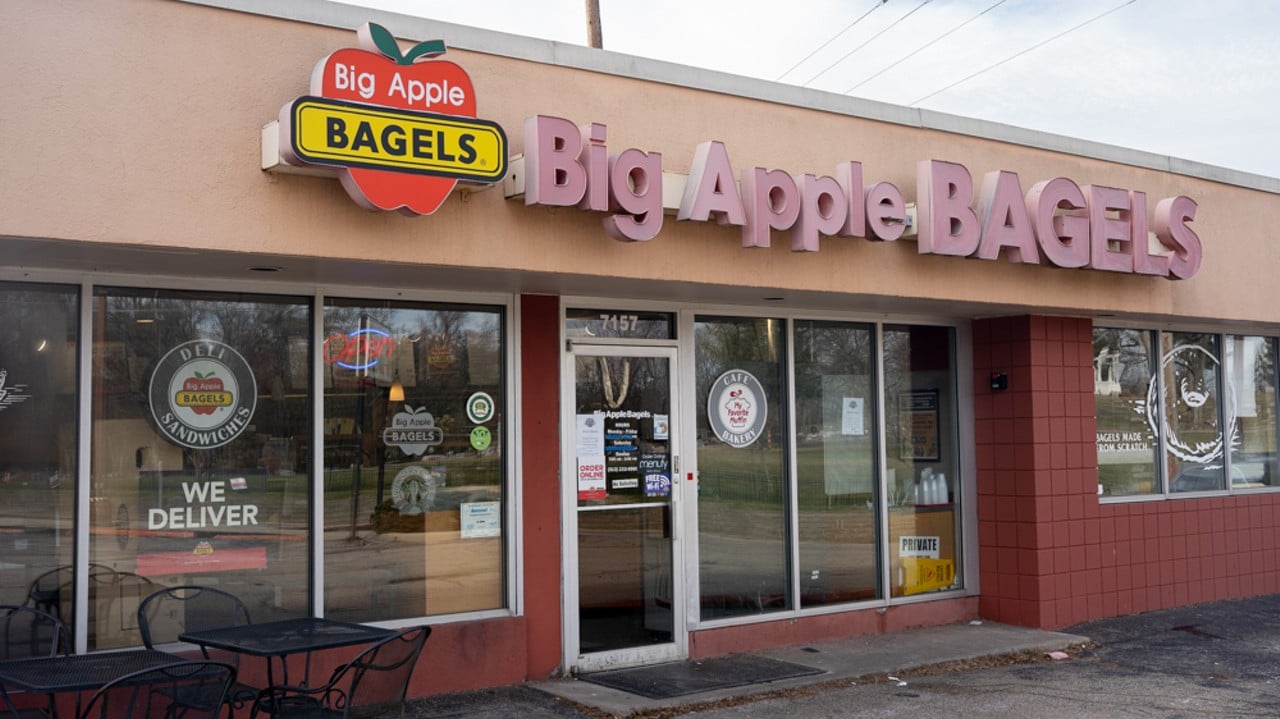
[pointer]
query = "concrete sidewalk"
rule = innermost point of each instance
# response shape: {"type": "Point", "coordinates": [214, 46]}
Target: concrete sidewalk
{"type": "Point", "coordinates": [841, 662]}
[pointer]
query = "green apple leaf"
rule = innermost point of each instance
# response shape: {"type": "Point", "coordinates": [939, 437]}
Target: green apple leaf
{"type": "Point", "coordinates": [386, 43]}
{"type": "Point", "coordinates": [424, 50]}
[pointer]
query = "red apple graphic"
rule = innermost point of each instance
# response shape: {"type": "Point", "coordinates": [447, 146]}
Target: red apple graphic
{"type": "Point", "coordinates": [378, 74]}
{"type": "Point", "coordinates": [203, 383]}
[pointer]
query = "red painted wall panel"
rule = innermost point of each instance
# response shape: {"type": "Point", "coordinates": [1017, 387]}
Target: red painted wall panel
{"type": "Point", "coordinates": [828, 627]}
{"type": "Point", "coordinates": [1080, 559]}
{"type": "Point", "coordinates": [540, 469]}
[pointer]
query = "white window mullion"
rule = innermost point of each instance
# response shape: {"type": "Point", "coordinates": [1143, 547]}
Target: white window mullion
{"type": "Point", "coordinates": [84, 476]}
{"type": "Point", "coordinates": [688, 409]}
{"type": "Point", "coordinates": [882, 496]}
{"type": "Point", "coordinates": [1225, 421]}
{"type": "Point", "coordinates": [1162, 461]}
{"type": "Point", "coordinates": [792, 484]}
{"type": "Point", "coordinates": [317, 455]}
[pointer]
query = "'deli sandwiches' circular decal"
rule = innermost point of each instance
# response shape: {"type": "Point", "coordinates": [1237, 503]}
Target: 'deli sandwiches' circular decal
{"type": "Point", "coordinates": [202, 394]}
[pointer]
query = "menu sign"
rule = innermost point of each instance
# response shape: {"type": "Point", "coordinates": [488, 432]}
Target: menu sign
{"type": "Point", "coordinates": [622, 449]}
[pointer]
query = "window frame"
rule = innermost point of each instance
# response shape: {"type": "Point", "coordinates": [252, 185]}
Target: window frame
{"type": "Point", "coordinates": [1226, 414]}
{"type": "Point", "coordinates": [508, 469]}
{"type": "Point", "coordinates": [88, 283]}
{"type": "Point", "coordinates": [961, 364]}
{"type": "Point", "coordinates": [1153, 371]}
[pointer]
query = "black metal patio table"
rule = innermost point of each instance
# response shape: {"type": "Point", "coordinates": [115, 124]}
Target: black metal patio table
{"type": "Point", "coordinates": [77, 673]}
{"type": "Point", "coordinates": [279, 639]}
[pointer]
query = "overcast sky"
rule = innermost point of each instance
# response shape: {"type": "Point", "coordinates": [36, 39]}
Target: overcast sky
{"type": "Point", "coordinates": [1198, 80]}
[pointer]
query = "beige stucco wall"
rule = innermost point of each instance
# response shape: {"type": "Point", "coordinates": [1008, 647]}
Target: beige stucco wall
{"type": "Point", "coordinates": [136, 122]}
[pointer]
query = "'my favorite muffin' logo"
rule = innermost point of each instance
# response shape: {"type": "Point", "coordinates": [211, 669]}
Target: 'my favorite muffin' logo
{"type": "Point", "coordinates": [202, 394]}
{"type": "Point", "coordinates": [736, 408]}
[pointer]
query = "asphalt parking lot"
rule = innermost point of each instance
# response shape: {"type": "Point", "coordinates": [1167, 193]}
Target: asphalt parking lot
{"type": "Point", "coordinates": [1220, 659]}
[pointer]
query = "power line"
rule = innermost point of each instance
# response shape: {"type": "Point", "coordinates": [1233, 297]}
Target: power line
{"type": "Point", "coordinates": [869, 40]}
{"type": "Point", "coordinates": [833, 39]}
{"type": "Point", "coordinates": [925, 46]}
{"type": "Point", "coordinates": [1024, 52]}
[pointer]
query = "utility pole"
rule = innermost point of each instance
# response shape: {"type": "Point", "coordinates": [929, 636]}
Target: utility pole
{"type": "Point", "coordinates": [594, 38]}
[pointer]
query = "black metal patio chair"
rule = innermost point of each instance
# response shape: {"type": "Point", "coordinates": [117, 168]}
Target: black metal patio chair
{"type": "Point", "coordinates": [151, 693]}
{"type": "Point", "coordinates": [168, 612]}
{"type": "Point", "coordinates": [373, 684]}
{"type": "Point", "coordinates": [45, 591]}
{"type": "Point", "coordinates": [27, 633]}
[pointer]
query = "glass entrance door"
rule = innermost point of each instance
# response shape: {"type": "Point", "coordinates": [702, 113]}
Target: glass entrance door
{"type": "Point", "coordinates": [624, 605]}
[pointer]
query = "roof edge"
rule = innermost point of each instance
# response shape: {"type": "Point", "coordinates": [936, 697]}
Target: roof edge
{"type": "Point", "coordinates": [491, 42]}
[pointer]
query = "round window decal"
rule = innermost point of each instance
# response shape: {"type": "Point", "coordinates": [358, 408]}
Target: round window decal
{"type": "Point", "coordinates": [1190, 386]}
{"type": "Point", "coordinates": [413, 491]}
{"type": "Point", "coordinates": [480, 408]}
{"type": "Point", "coordinates": [736, 408]}
{"type": "Point", "coordinates": [202, 394]}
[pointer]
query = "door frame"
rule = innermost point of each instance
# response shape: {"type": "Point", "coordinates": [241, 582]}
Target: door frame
{"type": "Point", "coordinates": [574, 661]}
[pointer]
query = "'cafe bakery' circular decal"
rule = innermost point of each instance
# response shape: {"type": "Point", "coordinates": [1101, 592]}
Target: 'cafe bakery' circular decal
{"type": "Point", "coordinates": [202, 394]}
{"type": "Point", "coordinates": [736, 408]}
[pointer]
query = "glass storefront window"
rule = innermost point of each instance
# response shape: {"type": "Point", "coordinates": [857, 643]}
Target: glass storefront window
{"type": "Point", "coordinates": [1211, 407]}
{"type": "Point", "coordinates": [199, 473]}
{"type": "Point", "coordinates": [38, 411]}
{"type": "Point", "coordinates": [1123, 368]}
{"type": "Point", "coordinates": [923, 468]}
{"type": "Point", "coordinates": [744, 491]}
{"type": "Point", "coordinates": [414, 426]}
{"type": "Point", "coordinates": [200, 433]}
{"type": "Point", "coordinates": [836, 448]}
{"type": "Point", "coordinates": [1190, 402]}
{"type": "Point", "coordinates": [1251, 378]}
{"type": "Point", "coordinates": [743, 488]}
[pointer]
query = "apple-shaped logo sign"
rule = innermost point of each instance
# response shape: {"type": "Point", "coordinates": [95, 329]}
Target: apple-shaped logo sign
{"type": "Point", "coordinates": [205, 389]}
{"type": "Point", "coordinates": [413, 430]}
{"type": "Point", "coordinates": [399, 127]}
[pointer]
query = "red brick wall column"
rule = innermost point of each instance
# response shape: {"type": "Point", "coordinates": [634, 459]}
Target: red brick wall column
{"type": "Point", "coordinates": [1050, 553]}
{"type": "Point", "coordinates": [539, 406]}
{"type": "Point", "coordinates": [1039, 531]}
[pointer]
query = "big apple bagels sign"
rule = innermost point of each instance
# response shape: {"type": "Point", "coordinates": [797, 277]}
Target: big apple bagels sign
{"type": "Point", "coordinates": [400, 129]}
{"type": "Point", "coordinates": [1057, 221]}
